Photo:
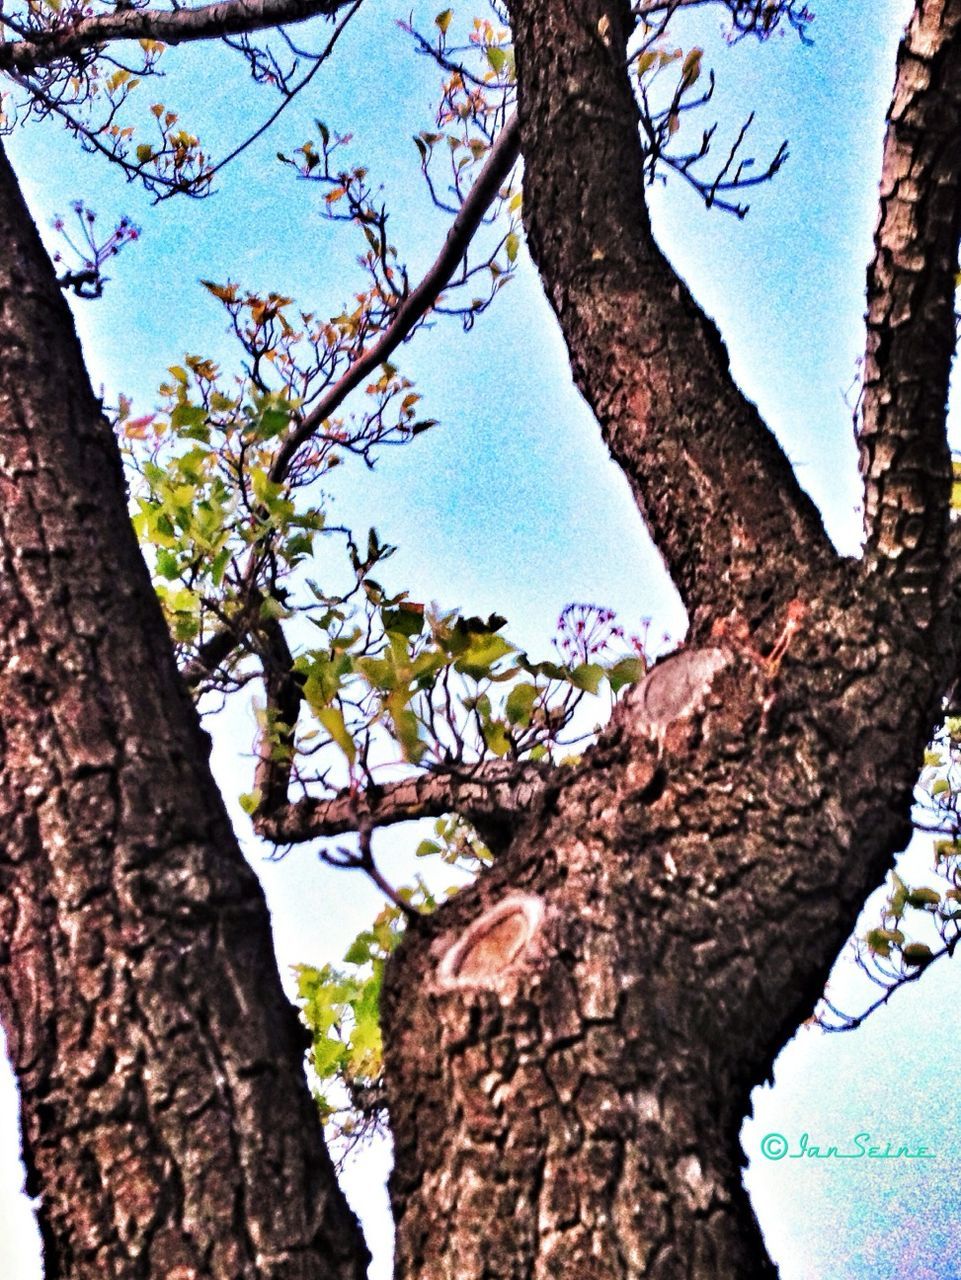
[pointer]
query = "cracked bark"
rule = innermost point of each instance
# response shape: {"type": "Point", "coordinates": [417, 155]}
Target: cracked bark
{"type": "Point", "coordinates": [566, 1098]}
{"type": "Point", "coordinates": [571, 1042]}
{"type": "Point", "coordinates": [167, 1124]}
{"type": "Point", "coordinates": [490, 794]}
{"type": "Point", "coordinates": [718, 495]}
{"type": "Point", "coordinates": [911, 320]}
{"type": "Point", "coordinates": [574, 1110]}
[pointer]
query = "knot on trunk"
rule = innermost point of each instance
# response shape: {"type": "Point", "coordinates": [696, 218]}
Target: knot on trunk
{"type": "Point", "coordinates": [675, 690]}
{"type": "Point", "coordinates": [493, 945]}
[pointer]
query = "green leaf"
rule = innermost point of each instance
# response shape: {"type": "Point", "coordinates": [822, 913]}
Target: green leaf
{"type": "Point", "coordinates": [495, 737]}
{"type": "Point", "coordinates": [691, 69]}
{"type": "Point", "coordinates": [917, 954]}
{"type": "Point", "coordinates": [218, 566]}
{"type": "Point", "coordinates": [188, 415]}
{"type": "Point", "coordinates": [924, 898]}
{"type": "Point", "coordinates": [553, 670]}
{"type": "Point", "coordinates": [168, 565]}
{"type": "Point", "coordinates": [881, 940]}
{"type": "Point", "coordinates": [481, 653]}
{"type": "Point", "coordinates": [271, 422]}
{"type": "Point", "coordinates": [520, 703]}
{"type": "Point", "coordinates": [587, 676]}
{"type": "Point", "coordinates": [627, 671]}
{"type": "Point", "coordinates": [646, 61]}
{"type": "Point", "coordinates": [332, 718]}
{"type": "Point", "coordinates": [497, 58]}
{"type": "Point", "coordinates": [443, 20]}
{"type": "Point", "coordinates": [406, 620]}
{"type": "Point", "coordinates": [250, 802]}
{"type": "Point", "coordinates": [405, 725]}
{"type": "Point", "coordinates": [359, 950]}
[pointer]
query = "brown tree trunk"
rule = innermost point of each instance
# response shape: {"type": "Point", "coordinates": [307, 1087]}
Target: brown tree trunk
{"type": "Point", "coordinates": [167, 1124]}
{"type": "Point", "coordinates": [572, 1042]}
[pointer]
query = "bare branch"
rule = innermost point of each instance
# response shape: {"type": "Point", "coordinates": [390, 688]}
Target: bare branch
{"type": "Point", "coordinates": [836, 1019]}
{"type": "Point", "coordinates": [716, 490]}
{"type": "Point", "coordinates": [272, 776]}
{"type": "Point", "coordinates": [492, 790]}
{"type": "Point", "coordinates": [173, 26]}
{"type": "Point", "coordinates": [911, 334]}
{"type": "Point", "coordinates": [495, 172]}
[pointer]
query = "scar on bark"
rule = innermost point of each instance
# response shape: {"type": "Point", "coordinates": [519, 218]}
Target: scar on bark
{"type": "Point", "coordinates": [494, 945]}
{"type": "Point", "coordinates": [675, 689]}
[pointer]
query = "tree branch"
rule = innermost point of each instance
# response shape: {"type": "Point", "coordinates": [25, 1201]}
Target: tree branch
{"type": "Point", "coordinates": [492, 791]}
{"type": "Point", "coordinates": [719, 496]}
{"type": "Point", "coordinates": [272, 776]}
{"type": "Point", "coordinates": [113, 830]}
{"type": "Point", "coordinates": [174, 26]}
{"type": "Point", "coordinates": [494, 173]}
{"type": "Point", "coordinates": [911, 334]}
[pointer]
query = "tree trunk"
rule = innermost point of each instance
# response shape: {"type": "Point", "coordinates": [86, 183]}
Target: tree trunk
{"type": "Point", "coordinates": [572, 1042]}
{"type": "Point", "coordinates": [167, 1124]}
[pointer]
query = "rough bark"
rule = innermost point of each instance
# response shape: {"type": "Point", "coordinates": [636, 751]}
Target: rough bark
{"type": "Point", "coordinates": [491, 794]}
{"type": "Point", "coordinates": [717, 493]}
{"type": "Point", "coordinates": [571, 1106]}
{"type": "Point", "coordinates": [572, 1042]}
{"type": "Point", "coordinates": [170, 26]}
{"type": "Point", "coordinates": [167, 1124]}
{"type": "Point", "coordinates": [911, 319]}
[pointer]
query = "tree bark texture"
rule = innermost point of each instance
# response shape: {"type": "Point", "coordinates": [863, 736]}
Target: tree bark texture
{"type": "Point", "coordinates": [911, 321]}
{"type": "Point", "coordinates": [571, 1106]}
{"type": "Point", "coordinates": [572, 1042]}
{"type": "Point", "coordinates": [167, 1124]}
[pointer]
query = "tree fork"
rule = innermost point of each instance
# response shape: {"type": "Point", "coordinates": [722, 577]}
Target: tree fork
{"type": "Point", "coordinates": [168, 1129]}
{"type": "Point", "coordinates": [571, 1043]}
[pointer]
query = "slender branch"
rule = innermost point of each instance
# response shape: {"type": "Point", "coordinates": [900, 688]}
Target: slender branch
{"type": "Point", "coordinates": [272, 776]}
{"type": "Point", "coordinates": [494, 789]}
{"type": "Point", "coordinates": [494, 173]}
{"type": "Point", "coordinates": [719, 496]}
{"type": "Point", "coordinates": [905, 460]}
{"type": "Point", "coordinates": [290, 95]}
{"type": "Point", "coordinates": [174, 26]}
{"type": "Point", "coordinates": [364, 861]}
{"type": "Point", "coordinates": [850, 1022]}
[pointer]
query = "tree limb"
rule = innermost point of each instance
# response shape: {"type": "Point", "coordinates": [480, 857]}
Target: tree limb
{"type": "Point", "coordinates": [911, 334]}
{"type": "Point", "coordinates": [491, 791]}
{"type": "Point", "coordinates": [719, 496]}
{"type": "Point", "coordinates": [272, 776]}
{"type": "Point", "coordinates": [174, 26]}
{"type": "Point", "coordinates": [139, 924]}
{"type": "Point", "coordinates": [494, 173]}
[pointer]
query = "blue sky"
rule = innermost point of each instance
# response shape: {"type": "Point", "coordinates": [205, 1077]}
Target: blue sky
{"type": "Point", "coordinates": [512, 504]}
